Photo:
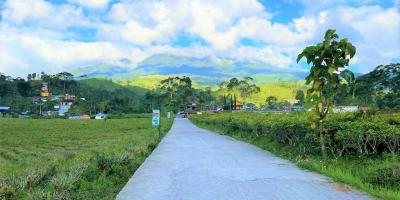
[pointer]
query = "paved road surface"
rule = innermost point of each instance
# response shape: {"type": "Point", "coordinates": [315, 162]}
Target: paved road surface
{"type": "Point", "coordinates": [193, 163]}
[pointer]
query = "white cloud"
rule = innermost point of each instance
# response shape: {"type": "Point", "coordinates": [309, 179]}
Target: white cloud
{"type": "Point", "coordinates": [210, 20]}
{"type": "Point", "coordinates": [119, 12]}
{"type": "Point", "coordinates": [274, 33]}
{"type": "Point", "coordinates": [373, 30]}
{"type": "Point", "coordinates": [24, 53]}
{"type": "Point", "coordinates": [36, 34]}
{"type": "Point", "coordinates": [268, 55]}
{"type": "Point", "coordinates": [20, 11]}
{"type": "Point", "coordinates": [93, 4]}
{"type": "Point", "coordinates": [137, 34]}
{"type": "Point", "coordinates": [40, 14]}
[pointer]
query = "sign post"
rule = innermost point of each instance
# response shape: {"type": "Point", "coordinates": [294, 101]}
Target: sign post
{"type": "Point", "coordinates": [155, 122]}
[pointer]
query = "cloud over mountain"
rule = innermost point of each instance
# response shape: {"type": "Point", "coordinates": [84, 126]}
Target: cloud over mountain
{"type": "Point", "coordinates": [39, 35]}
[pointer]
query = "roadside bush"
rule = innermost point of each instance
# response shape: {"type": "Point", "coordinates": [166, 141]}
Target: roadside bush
{"type": "Point", "coordinates": [351, 134]}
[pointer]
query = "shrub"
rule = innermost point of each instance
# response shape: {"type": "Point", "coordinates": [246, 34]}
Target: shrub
{"type": "Point", "coordinates": [351, 134]}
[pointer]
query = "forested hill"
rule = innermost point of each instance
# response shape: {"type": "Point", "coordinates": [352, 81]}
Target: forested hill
{"type": "Point", "coordinates": [101, 94]}
{"type": "Point", "coordinates": [380, 87]}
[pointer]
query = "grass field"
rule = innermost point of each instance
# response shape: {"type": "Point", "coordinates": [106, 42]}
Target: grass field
{"type": "Point", "coordinates": [72, 159]}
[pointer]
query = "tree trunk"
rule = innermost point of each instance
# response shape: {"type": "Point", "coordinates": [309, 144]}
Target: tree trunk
{"type": "Point", "coordinates": [322, 140]}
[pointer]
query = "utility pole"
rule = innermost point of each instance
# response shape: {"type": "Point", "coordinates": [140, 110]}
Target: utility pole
{"type": "Point", "coordinates": [159, 125]}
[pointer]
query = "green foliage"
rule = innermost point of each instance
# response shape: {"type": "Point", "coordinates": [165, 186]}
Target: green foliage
{"type": "Point", "coordinates": [388, 176]}
{"type": "Point", "coordinates": [172, 92]}
{"type": "Point", "coordinates": [176, 90]}
{"type": "Point", "coordinates": [359, 146]}
{"type": "Point", "coordinates": [271, 102]}
{"type": "Point", "coordinates": [99, 94]}
{"type": "Point", "coordinates": [245, 88]}
{"type": "Point", "coordinates": [175, 93]}
{"type": "Point", "coordinates": [346, 134]}
{"type": "Point", "coordinates": [328, 59]}
{"type": "Point", "coordinates": [380, 87]}
{"type": "Point", "coordinates": [300, 97]}
{"type": "Point", "coordinates": [72, 159]}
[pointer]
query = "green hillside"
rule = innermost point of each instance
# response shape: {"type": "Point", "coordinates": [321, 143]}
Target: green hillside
{"type": "Point", "coordinates": [110, 85]}
{"type": "Point", "coordinates": [151, 81]}
{"type": "Point", "coordinates": [270, 85]}
{"type": "Point", "coordinates": [148, 82]}
{"type": "Point", "coordinates": [283, 91]}
{"type": "Point", "coordinates": [101, 83]}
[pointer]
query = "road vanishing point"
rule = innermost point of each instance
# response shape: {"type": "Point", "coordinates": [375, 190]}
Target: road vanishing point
{"type": "Point", "coordinates": [191, 163]}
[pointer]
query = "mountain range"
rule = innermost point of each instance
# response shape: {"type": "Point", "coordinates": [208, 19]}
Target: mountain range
{"type": "Point", "coordinates": [204, 71]}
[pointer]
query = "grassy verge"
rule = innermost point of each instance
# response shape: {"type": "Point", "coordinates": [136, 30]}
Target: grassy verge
{"type": "Point", "coordinates": [357, 171]}
{"type": "Point", "coordinates": [72, 159]}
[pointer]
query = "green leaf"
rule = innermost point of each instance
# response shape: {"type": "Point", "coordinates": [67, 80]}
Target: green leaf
{"type": "Point", "coordinates": [351, 50]}
{"type": "Point", "coordinates": [331, 70]}
{"type": "Point", "coordinates": [300, 56]}
{"type": "Point", "coordinates": [317, 84]}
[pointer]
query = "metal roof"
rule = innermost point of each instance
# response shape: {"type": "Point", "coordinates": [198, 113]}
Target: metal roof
{"type": "Point", "coordinates": [4, 108]}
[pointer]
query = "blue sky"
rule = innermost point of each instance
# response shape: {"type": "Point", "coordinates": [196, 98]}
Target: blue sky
{"type": "Point", "coordinates": [61, 35]}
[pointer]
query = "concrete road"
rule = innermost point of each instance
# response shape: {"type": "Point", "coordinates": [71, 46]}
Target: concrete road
{"type": "Point", "coordinates": [193, 163]}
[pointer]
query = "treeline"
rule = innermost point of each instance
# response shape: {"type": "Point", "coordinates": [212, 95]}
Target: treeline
{"type": "Point", "coordinates": [177, 94]}
{"type": "Point", "coordinates": [18, 93]}
{"type": "Point", "coordinates": [379, 88]}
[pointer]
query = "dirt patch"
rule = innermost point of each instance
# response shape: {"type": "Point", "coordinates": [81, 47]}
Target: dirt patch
{"type": "Point", "coordinates": [346, 188]}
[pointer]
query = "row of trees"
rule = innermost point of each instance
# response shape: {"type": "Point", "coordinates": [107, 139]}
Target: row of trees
{"type": "Point", "coordinates": [177, 93]}
{"type": "Point", "coordinates": [234, 89]}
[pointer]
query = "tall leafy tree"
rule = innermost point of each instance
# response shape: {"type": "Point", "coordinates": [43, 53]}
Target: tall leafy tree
{"type": "Point", "coordinates": [300, 96]}
{"type": "Point", "coordinates": [247, 88]}
{"type": "Point", "coordinates": [271, 102]}
{"type": "Point", "coordinates": [177, 91]}
{"type": "Point", "coordinates": [66, 77]}
{"type": "Point", "coordinates": [328, 58]}
{"type": "Point", "coordinates": [243, 87]}
{"type": "Point", "coordinates": [350, 79]}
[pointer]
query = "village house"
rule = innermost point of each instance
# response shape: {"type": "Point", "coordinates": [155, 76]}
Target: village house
{"type": "Point", "coordinates": [345, 109]}
{"type": "Point", "coordinates": [100, 115]}
{"type": "Point", "coordinates": [65, 105]}
{"type": "Point", "coordinates": [4, 110]}
{"type": "Point", "coordinates": [237, 105]}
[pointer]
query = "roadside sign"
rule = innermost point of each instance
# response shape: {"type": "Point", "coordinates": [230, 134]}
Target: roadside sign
{"type": "Point", "coordinates": [169, 115]}
{"type": "Point", "coordinates": [155, 122]}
